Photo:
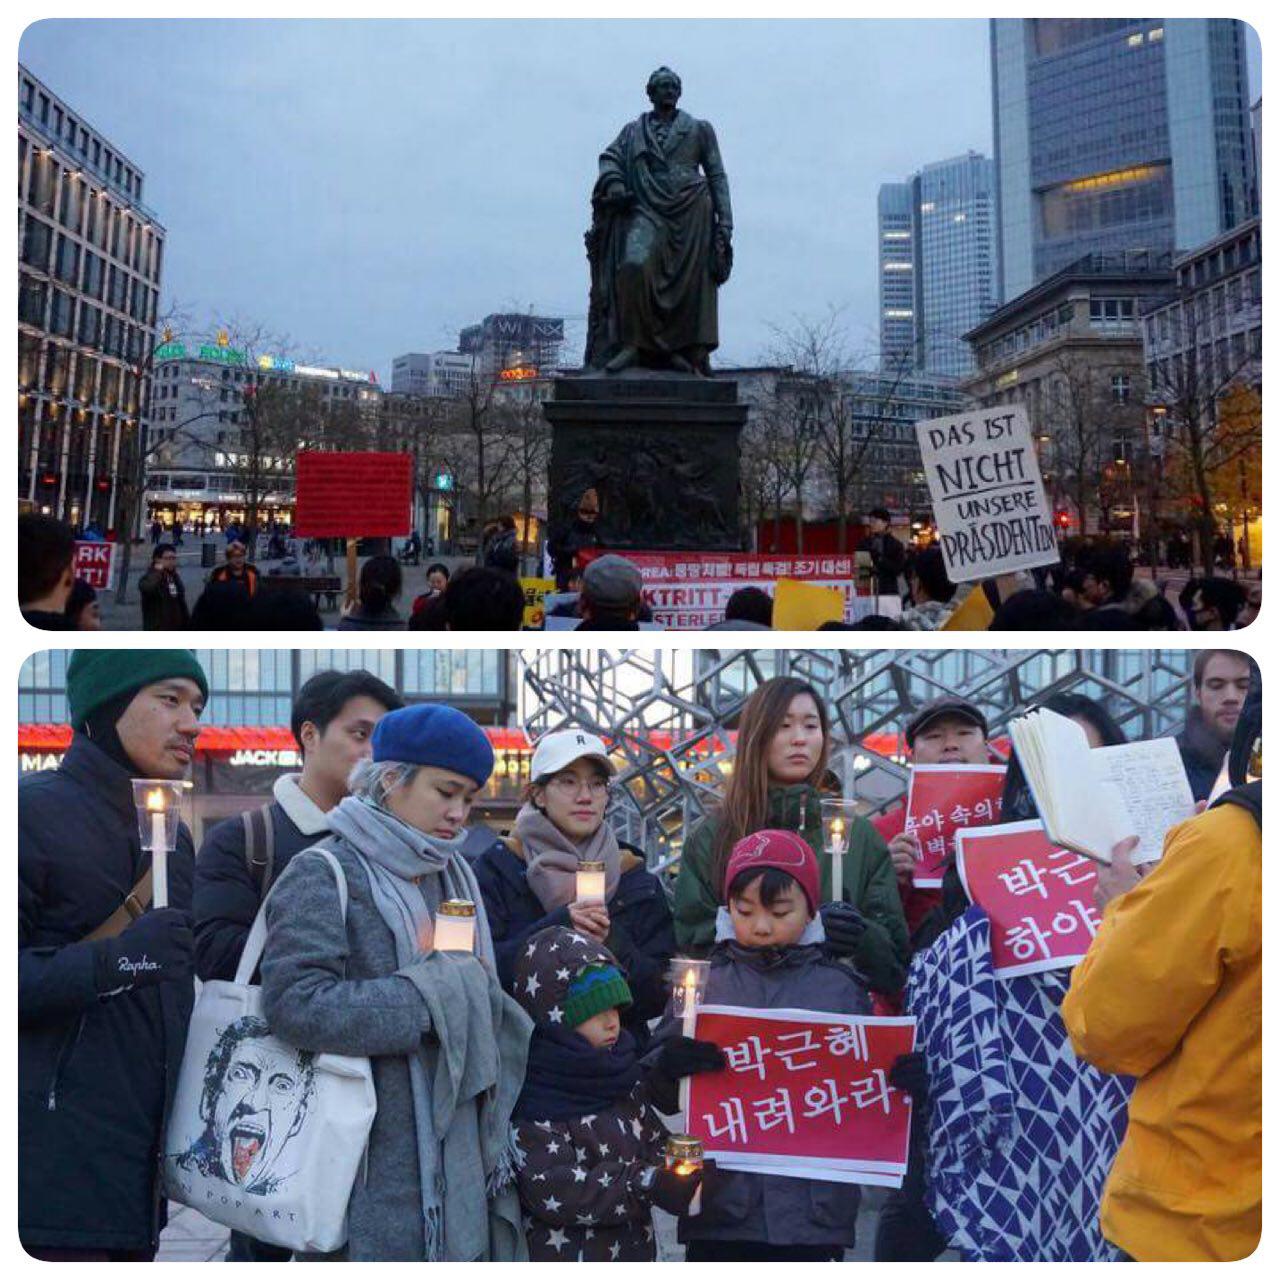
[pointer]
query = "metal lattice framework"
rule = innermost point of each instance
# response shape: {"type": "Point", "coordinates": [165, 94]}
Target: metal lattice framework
{"type": "Point", "coordinates": [669, 713]}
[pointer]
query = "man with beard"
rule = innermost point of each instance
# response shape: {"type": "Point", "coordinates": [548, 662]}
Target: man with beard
{"type": "Point", "coordinates": [104, 983]}
{"type": "Point", "coordinates": [255, 1099]}
{"type": "Point", "coordinates": [1220, 683]}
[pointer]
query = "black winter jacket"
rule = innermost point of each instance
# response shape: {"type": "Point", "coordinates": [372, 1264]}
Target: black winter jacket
{"type": "Point", "coordinates": [641, 935]}
{"type": "Point", "coordinates": [95, 1074]}
{"type": "Point", "coordinates": [757, 1207]}
{"type": "Point", "coordinates": [226, 898]}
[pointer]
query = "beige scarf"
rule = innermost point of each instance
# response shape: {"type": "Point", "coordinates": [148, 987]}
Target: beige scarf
{"type": "Point", "coordinates": [551, 858]}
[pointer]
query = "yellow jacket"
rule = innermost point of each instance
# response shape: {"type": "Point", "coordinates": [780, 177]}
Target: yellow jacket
{"type": "Point", "coordinates": [1171, 992]}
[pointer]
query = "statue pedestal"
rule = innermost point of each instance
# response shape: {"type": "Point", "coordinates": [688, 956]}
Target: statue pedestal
{"type": "Point", "coordinates": [660, 449]}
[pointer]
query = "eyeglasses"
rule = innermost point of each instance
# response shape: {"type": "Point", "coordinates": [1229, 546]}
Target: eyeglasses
{"type": "Point", "coordinates": [569, 785]}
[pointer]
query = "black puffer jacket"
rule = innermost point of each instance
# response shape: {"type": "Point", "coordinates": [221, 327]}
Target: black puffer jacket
{"type": "Point", "coordinates": [95, 1074]}
{"type": "Point", "coordinates": [756, 1207]}
{"type": "Point", "coordinates": [641, 935]}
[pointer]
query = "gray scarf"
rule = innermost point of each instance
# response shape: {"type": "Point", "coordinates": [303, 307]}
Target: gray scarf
{"type": "Point", "coordinates": [551, 858]}
{"type": "Point", "coordinates": [480, 1036]}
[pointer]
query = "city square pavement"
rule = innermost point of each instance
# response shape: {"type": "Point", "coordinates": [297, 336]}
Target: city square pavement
{"type": "Point", "coordinates": [191, 1237]}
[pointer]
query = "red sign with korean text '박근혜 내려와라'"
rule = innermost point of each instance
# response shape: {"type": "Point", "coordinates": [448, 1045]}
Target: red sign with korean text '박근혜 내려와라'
{"type": "Point", "coordinates": [942, 799]}
{"type": "Point", "coordinates": [1037, 895]}
{"type": "Point", "coordinates": [353, 495]}
{"type": "Point", "coordinates": [803, 1094]}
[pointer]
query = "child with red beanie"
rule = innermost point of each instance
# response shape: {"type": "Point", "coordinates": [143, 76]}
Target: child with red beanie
{"type": "Point", "coordinates": [769, 953]}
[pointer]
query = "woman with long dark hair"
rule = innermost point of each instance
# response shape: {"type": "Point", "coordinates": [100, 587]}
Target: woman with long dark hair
{"type": "Point", "coordinates": [380, 582]}
{"type": "Point", "coordinates": [784, 741]}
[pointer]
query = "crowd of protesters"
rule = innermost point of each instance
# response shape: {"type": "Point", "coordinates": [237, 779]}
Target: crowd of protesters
{"type": "Point", "coordinates": [1109, 1111]}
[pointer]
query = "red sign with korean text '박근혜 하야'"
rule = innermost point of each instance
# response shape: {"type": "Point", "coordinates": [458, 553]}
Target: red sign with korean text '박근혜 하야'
{"type": "Point", "coordinates": [1038, 896]}
{"type": "Point", "coordinates": [803, 1095]}
{"type": "Point", "coordinates": [353, 495]}
{"type": "Point", "coordinates": [943, 798]}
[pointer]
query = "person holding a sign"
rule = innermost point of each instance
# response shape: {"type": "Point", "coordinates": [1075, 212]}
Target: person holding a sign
{"type": "Point", "coordinates": [447, 1045]}
{"type": "Point", "coordinates": [530, 880]}
{"type": "Point", "coordinates": [590, 1142]}
{"type": "Point", "coordinates": [769, 954]}
{"type": "Point", "coordinates": [1171, 992]}
{"type": "Point", "coordinates": [784, 740]}
{"type": "Point", "coordinates": [104, 983]}
{"type": "Point", "coordinates": [1068, 1118]}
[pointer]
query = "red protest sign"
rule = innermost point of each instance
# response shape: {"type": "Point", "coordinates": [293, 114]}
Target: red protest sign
{"type": "Point", "coordinates": [95, 563]}
{"type": "Point", "coordinates": [1038, 896]}
{"type": "Point", "coordinates": [353, 495]}
{"type": "Point", "coordinates": [943, 798]}
{"type": "Point", "coordinates": [804, 1095]}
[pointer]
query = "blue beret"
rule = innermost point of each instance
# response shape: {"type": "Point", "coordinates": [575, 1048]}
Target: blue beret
{"type": "Point", "coordinates": [439, 736]}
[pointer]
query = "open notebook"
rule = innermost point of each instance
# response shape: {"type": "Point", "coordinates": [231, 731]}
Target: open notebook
{"type": "Point", "coordinates": [1090, 800]}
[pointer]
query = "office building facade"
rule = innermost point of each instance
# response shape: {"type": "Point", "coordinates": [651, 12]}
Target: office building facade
{"type": "Point", "coordinates": [197, 469]}
{"type": "Point", "coordinates": [937, 265]}
{"type": "Point", "coordinates": [513, 340]}
{"type": "Point", "coordinates": [90, 256]}
{"type": "Point", "coordinates": [444, 374]}
{"type": "Point", "coordinates": [1115, 134]}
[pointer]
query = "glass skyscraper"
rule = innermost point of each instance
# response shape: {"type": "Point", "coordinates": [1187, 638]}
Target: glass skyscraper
{"type": "Point", "coordinates": [1116, 133]}
{"type": "Point", "coordinates": [937, 265]}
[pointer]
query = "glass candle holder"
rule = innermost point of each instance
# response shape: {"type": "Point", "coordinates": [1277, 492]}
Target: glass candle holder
{"type": "Point", "coordinates": [158, 805]}
{"type": "Point", "coordinates": [455, 925]}
{"type": "Point", "coordinates": [689, 985]}
{"type": "Point", "coordinates": [683, 1154]}
{"type": "Point", "coordinates": [837, 828]}
{"type": "Point", "coordinates": [590, 882]}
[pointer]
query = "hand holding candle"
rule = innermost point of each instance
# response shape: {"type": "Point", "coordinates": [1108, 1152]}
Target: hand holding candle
{"type": "Point", "coordinates": [690, 987]}
{"type": "Point", "coordinates": [590, 883]}
{"type": "Point", "coordinates": [157, 802]}
{"type": "Point", "coordinates": [683, 1158]}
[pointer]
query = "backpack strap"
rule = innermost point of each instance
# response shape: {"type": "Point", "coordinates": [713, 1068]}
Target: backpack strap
{"type": "Point", "coordinates": [260, 847]}
{"type": "Point", "coordinates": [136, 902]}
{"type": "Point", "coordinates": [257, 939]}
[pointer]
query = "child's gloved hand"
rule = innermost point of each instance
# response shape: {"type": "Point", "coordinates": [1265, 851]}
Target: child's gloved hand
{"type": "Point", "coordinates": [683, 1056]}
{"type": "Point", "coordinates": [910, 1074]}
{"type": "Point", "coordinates": [673, 1191]}
{"type": "Point", "coordinates": [844, 926]}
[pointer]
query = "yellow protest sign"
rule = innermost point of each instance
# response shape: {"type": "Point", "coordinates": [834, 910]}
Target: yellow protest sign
{"type": "Point", "coordinates": [535, 591]}
{"type": "Point", "coordinates": [800, 606]}
{"type": "Point", "coordinates": [974, 614]}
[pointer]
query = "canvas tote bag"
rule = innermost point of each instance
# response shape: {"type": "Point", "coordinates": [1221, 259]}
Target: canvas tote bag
{"type": "Point", "coordinates": [265, 1138]}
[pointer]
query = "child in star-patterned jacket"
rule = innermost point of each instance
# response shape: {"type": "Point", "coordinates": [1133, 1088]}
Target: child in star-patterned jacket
{"type": "Point", "coordinates": [589, 1144]}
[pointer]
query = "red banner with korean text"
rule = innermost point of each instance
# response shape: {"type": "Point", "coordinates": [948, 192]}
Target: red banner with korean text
{"type": "Point", "coordinates": [803, 1095]}
{"type": "Point", "coordinates": [941, 800]}
{"type": "Point", "coordinates": [1039, 897]}
{"type": "Point", "coordinates": [688, 590]}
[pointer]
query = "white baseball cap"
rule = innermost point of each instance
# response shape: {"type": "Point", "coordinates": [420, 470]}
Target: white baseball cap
{"type": "Point", "coordinates": [556, 751]}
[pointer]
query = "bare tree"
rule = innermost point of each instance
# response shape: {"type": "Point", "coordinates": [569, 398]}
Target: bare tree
{"type": "Point", "coordinates": [1189, 388]}
{"type": "Point", "coordinates": [527, 448]}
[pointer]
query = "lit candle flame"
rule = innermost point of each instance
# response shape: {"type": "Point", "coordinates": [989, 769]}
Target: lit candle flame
{"type": "Point", "coordinates": [155, 801]}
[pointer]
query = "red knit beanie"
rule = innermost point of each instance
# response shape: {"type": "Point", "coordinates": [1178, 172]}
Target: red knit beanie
{"type": "Point", "coordinates": [782, 849]}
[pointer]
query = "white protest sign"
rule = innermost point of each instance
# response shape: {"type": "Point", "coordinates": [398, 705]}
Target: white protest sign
{"type": "Point", "coordinates": [988, 498]}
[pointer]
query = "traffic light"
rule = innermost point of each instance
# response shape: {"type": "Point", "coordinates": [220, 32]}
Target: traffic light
{"type": "Point", "coordinates": [1062, 519]}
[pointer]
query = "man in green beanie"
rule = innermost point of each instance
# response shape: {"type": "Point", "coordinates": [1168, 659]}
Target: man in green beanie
{"type": "Point", "coordinates": [104, 980]}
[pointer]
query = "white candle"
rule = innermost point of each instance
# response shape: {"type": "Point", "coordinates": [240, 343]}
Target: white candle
{"type": "Point", "coordinates": [688, 1025]}
{"type": "Point", "coordinates": [838, 846]}
{"type": "Point", "coordinates": [589, 886]}
{"type": "Point", "coordinates": [456, 926]}
{"type": "Point", "coordinates": [159, 850]}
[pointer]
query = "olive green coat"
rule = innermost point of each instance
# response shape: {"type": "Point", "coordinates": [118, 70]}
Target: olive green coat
{"type": "Point", "coordinates": [869, 883]}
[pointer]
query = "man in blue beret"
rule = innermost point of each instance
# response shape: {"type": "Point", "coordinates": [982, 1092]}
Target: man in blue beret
{"type": "Point", "coordinates": [104, 980]}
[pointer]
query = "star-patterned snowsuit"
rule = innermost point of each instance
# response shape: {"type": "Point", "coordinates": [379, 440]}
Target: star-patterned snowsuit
{"type": "Point", "coordinates": [585, 1181]}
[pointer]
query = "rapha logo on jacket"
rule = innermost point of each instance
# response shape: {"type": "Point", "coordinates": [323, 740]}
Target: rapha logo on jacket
{"type": "Point", "coordinates": [141, 965]}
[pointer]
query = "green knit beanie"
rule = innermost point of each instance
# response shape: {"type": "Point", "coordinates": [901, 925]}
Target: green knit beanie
{"type": "Point", "coordinates": [596, 988]}
{"type": "Point", "coordinates": [95, 676]}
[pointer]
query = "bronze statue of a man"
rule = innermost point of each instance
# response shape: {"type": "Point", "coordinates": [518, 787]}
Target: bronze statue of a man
{"type": "Point", "coordinates": [660, 240]}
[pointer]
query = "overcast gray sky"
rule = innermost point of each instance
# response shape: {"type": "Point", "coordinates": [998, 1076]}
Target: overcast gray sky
{"type": "Point", "coordinates": [370, 187]}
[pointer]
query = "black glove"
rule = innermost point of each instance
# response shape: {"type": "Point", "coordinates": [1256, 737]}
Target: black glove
{"type": "Point", "coordinates": [844, 926]}
{"type": "Point", "coordinates": [909, 1074]}
{"type": "Point", "coordinates": [156, 947]}
{"type": "Point", "coordinates": [684, 1056]}
{"type": "Point", "coordinates": [673, 1191]}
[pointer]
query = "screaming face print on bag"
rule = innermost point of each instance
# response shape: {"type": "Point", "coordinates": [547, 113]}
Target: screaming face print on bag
{"type": "Point", "coordinates": [255, 1100]}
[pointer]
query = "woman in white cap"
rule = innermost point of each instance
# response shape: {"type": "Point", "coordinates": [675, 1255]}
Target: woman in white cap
{"type": "Point", "coordinates": [529, 881]}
